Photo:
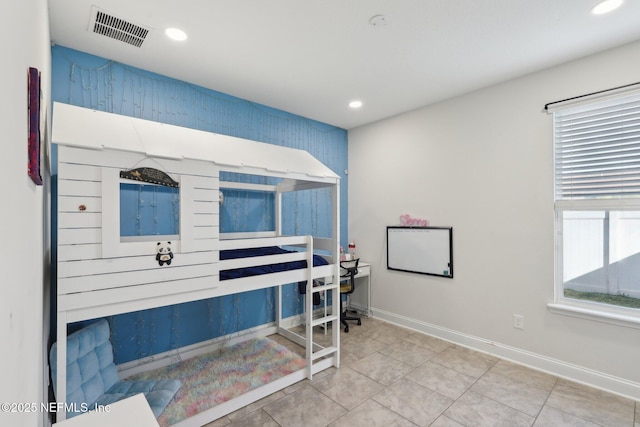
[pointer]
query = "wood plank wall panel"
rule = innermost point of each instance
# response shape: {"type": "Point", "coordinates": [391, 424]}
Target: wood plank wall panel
{"type": "Point", "coordinates": [91, 267]}
{"type": "Point", "coordinates": [132, 297]}
{"type": "Point", "coordinates": [86, 278]}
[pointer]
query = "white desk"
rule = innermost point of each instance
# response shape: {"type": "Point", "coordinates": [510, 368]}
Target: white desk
{"type": "Point", "coordinates": [360, 299]}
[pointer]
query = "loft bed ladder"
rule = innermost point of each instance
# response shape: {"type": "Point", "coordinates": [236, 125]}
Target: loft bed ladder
{"type": "Point", "coordinates": [318, 357]}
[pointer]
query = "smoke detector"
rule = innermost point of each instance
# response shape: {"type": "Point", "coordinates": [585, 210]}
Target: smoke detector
{"type": "Point", "coordinates": [109, 25]}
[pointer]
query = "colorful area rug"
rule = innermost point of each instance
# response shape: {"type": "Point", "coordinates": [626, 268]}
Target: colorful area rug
{"type": "Point", "coordinates": [214, 378]}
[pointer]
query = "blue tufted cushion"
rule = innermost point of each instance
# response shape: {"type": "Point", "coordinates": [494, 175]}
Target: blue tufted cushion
{"type": "Point", "coordinates": [92, 377]}
{"type": "Point", "coordinates": [90, 367]}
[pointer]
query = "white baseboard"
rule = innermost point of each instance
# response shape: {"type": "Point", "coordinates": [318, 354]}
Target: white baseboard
{"type": "Point", "coordinates": [589, 377]}
{"type": "Point", "coordinates": [359, 308]}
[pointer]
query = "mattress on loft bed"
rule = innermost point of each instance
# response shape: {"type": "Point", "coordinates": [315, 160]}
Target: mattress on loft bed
{"type": "Point", "coordinates": [263, 269]}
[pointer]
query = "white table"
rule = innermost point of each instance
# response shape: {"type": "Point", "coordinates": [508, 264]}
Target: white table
{"type": "Point", "coordinates": [132, 411]}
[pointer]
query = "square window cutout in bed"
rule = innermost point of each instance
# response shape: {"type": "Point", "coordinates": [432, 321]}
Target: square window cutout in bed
{"type": "Point", "coordinates": [149, 211]}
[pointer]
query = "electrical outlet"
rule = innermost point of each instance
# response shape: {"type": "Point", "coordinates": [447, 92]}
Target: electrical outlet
{"type": "Point", "coordinates": [518, 321]}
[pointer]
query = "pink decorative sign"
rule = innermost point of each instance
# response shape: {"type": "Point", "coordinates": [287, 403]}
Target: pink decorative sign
{"type": "Point", "coordinates": [409, 221]}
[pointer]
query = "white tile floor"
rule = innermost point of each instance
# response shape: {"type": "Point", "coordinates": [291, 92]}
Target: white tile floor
{"type": "Point", "coordinates": [391, 376]}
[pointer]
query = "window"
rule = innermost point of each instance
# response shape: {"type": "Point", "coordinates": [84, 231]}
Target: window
{"type": "Point", "coordinates": [597, 203]}
{"type": "Point", "coordinates": [149, 210]}
{"type": "Point", "coordinates": [136, 215]}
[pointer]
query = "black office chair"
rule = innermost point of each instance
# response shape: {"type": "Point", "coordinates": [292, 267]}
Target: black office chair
{"type": "Point", "coordinates": [348, 269]}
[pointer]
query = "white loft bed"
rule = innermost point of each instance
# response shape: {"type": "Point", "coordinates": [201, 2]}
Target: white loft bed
{"type": "Point", "coordinates": [98, 275]}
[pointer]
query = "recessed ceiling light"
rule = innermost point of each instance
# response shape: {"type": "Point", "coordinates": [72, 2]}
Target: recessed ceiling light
{"type": "Point", "coordinates": [606, 6]}
{"type": "Point", "coordinates": [176, 34]}
{"type": "Point", "coordinates": [355, 104]}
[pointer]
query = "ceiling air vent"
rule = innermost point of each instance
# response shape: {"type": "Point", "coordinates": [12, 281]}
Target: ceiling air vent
{"type": "Point", "coordinates": [106, 24]}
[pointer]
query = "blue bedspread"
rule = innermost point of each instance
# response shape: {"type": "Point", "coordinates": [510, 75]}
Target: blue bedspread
{"type": "Point", "coordinates": [263, 269]}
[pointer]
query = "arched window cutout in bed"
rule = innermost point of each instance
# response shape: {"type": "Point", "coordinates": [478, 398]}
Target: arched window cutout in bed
{"type": "Point", "coordinates": [149, 205]}
{"type": "Point", "coordinates": [137, 215]}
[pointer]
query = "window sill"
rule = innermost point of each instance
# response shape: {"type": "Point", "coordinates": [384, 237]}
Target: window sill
{"type": "Point", "coordinates": [619, 319]}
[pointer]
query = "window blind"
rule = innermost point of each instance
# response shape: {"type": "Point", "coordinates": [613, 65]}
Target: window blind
{"type": "Point", "coordinates": [597, 149]}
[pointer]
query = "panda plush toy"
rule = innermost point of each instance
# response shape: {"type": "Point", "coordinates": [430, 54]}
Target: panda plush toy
{"type": "Point", "coordinates": [163, 253]}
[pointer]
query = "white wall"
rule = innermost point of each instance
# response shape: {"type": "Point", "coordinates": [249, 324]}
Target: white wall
{"type": "Point", "coordinates": [482, 163]}
{"type": "Point", "coordinates": [24, 31]}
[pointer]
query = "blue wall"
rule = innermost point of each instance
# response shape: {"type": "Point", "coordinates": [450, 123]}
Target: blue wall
{"type": "Point", "coordinates": [97, 83]}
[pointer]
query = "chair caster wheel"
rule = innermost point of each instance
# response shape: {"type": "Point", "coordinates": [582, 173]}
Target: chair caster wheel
{"type": "Point", "coordinates": [359, 322]}
{"type": "Point", "coordinates": [346, 329]}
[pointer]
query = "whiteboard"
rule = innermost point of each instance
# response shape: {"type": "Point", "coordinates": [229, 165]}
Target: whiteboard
{"type": "Point", "coordinates": [424, 250]}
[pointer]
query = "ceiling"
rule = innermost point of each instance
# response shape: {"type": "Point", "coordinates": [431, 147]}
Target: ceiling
{"type": "Point", "coordinates": [311, 57]}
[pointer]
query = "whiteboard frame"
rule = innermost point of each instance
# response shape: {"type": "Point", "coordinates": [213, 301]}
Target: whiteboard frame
{"type": "Point", "coordinates": [449, 230]}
